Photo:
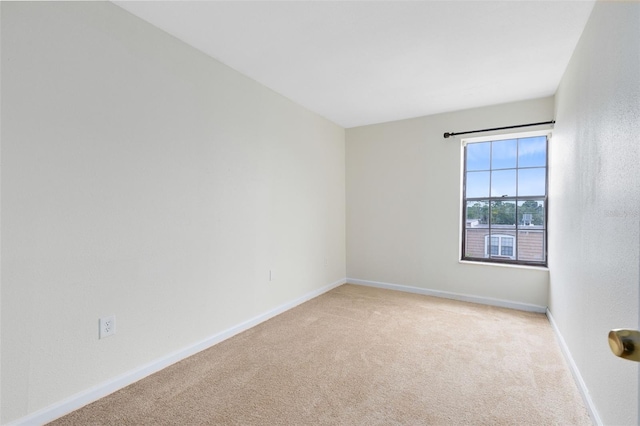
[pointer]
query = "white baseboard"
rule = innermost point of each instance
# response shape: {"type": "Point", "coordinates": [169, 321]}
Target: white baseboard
{"type": "Point", "coordinates": [582, 386]}
{"type": "Point", "coordinates": [448, 295]}
{"type": "Point", "coordinates": [92, 394]}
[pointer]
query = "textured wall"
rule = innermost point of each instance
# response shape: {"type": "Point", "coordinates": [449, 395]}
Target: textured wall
{"type": "Point", "coordinates": [144, 179]}
{"type": "Point", "coordinates": [403, 205]}
{"type": "Point", "coordinates": [594, 245]}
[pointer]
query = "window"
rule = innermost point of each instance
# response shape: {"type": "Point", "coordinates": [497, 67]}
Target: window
{"type": "Point", "coordinates": [505, 200]}
{"type": "Point", "coordinates": [499, 245]}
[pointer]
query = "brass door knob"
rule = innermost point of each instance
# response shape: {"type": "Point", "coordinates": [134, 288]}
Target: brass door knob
{"type": "Point", "coordinates": [625, 343]}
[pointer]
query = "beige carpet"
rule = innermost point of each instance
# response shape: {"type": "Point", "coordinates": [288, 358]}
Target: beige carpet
{"type": "Point", "coordinates": [363, 356]}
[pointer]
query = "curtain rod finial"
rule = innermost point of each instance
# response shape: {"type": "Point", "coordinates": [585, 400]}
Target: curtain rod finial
{"type": "Point", "coordinates": [446, 135]}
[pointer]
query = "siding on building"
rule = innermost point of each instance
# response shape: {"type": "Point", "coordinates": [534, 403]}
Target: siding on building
{"type": "Point", "coordinates": [530, 241]}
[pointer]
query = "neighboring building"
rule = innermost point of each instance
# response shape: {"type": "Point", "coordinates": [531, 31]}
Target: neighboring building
{"type": "Point", "coordinates": [502, 243]}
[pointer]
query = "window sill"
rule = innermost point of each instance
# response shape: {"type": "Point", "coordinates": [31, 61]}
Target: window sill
{"type": "Point", "coordinates": [505, 265]}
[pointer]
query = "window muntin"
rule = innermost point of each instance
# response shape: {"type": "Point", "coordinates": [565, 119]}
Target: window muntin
{"type": "Point", "coordinates": [505, 200]}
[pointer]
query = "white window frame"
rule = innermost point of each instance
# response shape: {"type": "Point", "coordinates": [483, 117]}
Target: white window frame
{"type": "Point", "coordinates": [500, 238]}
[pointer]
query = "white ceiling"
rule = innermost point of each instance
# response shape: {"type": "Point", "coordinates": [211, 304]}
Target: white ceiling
{"type": "Point", "coordinates": [364, 62]}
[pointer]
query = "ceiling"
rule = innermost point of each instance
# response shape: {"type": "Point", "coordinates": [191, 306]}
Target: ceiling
{"type": "Point", "coordinates": [364, 62]}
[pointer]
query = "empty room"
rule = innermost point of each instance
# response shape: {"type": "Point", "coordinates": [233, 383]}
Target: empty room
{"type": "Point", "coordinates": [320, 212]}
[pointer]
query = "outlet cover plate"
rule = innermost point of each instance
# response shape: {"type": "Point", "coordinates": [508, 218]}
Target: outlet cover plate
{"type": "Point", "coordinates": [107, 326]}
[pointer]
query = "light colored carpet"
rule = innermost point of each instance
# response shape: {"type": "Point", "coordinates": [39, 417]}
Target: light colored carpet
{"type": "Point", "coordinates": [363, 356]}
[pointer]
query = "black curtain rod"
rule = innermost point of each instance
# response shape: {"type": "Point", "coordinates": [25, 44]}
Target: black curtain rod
{"type": "Point", "coordinates": [446, 135]}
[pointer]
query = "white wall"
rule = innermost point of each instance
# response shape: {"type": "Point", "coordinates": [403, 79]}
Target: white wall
{"type": "Point", "coordinates": [144, 179]}
{"type": "Point", "coordinates": [595, 204]}
{"type": "Point", "coordinates": [0, 217]}
{"type": "Point", "coordinates": [403, 206]}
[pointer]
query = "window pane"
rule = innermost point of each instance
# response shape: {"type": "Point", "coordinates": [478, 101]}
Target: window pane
{"type": "Point", "coordinates": [531, 246]}
{"type": "Point", "coordinates": [531, 182]}
{"type": "Point", "coordinates": [504, 154]}
{"type": "Point", "coordinates": [477, 213]}
{"type": "Point", "coordinates": [506, 246]}
{"type": "Point", "coordinates": [477, 184]}
{"type": "Point", "coordinates": [492, 246]}
{"type": "Point", "coordinates": [532, 152]}
{"type": "Point", "coordinates": [503, 213]}
{"type": "Point", "coordinates": [479, 156]}
{"type": "Point", "coordinates": [531, 214]}
{"type": "Point", "coordinates": [474, 244]}
{"type": "Point", "coordinates": [503, 182]}
{"type": "Point", "coordinates": [501, 244]}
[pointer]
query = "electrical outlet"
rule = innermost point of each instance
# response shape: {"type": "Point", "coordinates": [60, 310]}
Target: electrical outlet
{"type": "Point", "coordinates": [107, 326]}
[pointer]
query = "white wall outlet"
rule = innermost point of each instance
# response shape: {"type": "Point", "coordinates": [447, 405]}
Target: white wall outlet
{"type": "Point", "coordinates": [107, 326]}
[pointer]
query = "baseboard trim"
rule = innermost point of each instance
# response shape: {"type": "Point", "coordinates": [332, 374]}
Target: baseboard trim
{"type": "Point", "coordinates": [455, 296]}
{"type": "Point", "coordinates": [92, 394]}
{"type": "Point", "coordinates": [582, 386]}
